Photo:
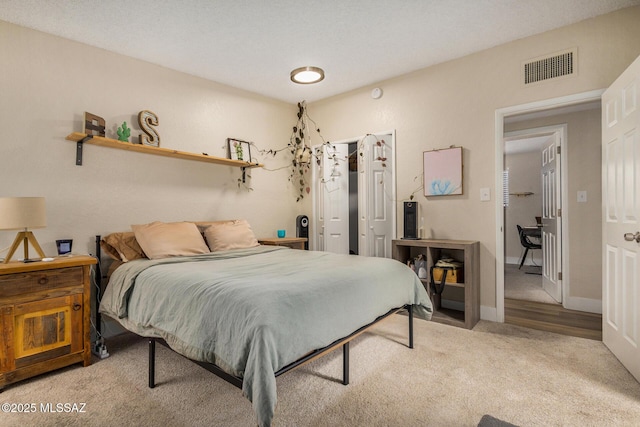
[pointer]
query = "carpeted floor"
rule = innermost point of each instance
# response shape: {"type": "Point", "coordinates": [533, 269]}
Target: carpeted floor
{"type": "Point", "coordinates": [452, 378]}
{"type": "Point", "coordinates": [522, 286]}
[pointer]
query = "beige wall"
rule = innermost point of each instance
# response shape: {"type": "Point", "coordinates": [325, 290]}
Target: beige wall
{"type": "Point", "coordinates": [46, 85]}
{"type": "Point", "coordinates": [455, 103]}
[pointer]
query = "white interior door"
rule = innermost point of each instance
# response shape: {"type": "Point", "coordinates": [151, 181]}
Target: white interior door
{"type": "Point", "coordinates": [376, 203]}
{"type": "Point", "coordinates": [334, 188]}
{"type": "Point", "coordinates": [551, 223]}
{"type": "Point", "coordinates": [621, 218]}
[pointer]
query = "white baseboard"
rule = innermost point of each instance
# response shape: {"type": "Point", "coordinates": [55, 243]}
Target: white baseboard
{"type": "Point", "coordinates": [488, 313]}
{"type": "Point", "coordinates": [583, 304]}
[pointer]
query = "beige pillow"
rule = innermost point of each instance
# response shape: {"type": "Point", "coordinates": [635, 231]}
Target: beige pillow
{"type": "Point", "coordinates": [163, 240]}
{"type": "Point", "coordinates": [229, 235]}
{"type": "Point", "coordinates": [203, 225]}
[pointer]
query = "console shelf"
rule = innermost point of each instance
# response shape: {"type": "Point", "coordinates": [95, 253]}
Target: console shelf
{"type": "Point", "coordinates": [462, 250]}
{"type": "Point", "coordinates": [81, 138]}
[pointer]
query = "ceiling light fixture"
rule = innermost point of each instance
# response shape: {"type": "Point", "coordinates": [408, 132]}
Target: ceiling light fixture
{"type": "Point", "coordinates": [307, 75]}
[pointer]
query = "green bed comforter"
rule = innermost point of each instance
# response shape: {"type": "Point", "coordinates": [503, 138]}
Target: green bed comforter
{"type": "Point", "coordinates": [254, 311]}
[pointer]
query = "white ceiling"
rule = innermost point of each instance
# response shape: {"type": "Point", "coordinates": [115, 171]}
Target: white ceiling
{"type": "Point", "coordinates": [254, 44]}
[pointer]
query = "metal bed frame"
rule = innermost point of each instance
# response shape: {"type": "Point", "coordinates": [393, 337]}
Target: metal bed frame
{"type": "Point", "coordinates": [237, 381]}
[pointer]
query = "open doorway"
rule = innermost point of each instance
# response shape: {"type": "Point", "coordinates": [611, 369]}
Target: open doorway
{"type": "Point", "coordinates": [580, 270]}
{"type": "Point", "coordinates": [532, 200]}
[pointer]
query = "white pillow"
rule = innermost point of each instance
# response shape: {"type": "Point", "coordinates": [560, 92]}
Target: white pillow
{"type": "Point", "coordinates": [163, 240]}
{"type": "Point", "coordinates": [225, 236]}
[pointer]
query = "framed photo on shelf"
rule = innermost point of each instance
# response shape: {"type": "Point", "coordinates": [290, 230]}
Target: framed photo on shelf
{"type": "Point", "coordinates": [443, 172]}
{"type": "Point", "coordinates": [239, 150]}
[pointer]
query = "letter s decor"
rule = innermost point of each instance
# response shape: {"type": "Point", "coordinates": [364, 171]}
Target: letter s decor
{"type": "Point", "coordinates": [146, 119]}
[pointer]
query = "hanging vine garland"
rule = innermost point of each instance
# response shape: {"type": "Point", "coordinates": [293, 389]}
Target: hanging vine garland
{"type": "Point", "coordinates": [300, 149]}
{"type": "Point", "coordinates": [299, 146]}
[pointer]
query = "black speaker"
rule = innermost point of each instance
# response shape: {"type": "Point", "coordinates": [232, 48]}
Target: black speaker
{"type": "Point", "coordinates": [302, 228]}
{"type": "Point", "coordinates": [410, 220]}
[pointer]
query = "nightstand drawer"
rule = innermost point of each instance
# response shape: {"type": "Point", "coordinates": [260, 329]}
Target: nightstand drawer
{"type": "Point", "coordinates": [43, 280]}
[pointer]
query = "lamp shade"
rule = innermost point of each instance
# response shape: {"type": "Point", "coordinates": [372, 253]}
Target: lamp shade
{"type": "Point", "coordinates": [22, 213]}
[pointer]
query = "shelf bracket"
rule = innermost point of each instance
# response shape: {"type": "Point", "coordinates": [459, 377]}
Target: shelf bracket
{"type": "Point", "coordinates": [244, 174]}
{"type": "Point", "coordinates": [79, 146]}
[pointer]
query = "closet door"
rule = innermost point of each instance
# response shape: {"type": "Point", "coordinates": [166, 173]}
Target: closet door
{"type": "Point", "coordinates": [376, 195]}
{"type": "Point", "coordinates": [334, 188]}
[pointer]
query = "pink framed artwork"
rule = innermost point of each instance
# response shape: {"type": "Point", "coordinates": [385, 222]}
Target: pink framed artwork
{"type": "Point", "coordinates": [443, 172]}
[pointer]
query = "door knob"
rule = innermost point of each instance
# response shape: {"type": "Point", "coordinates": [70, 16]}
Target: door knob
{"type": "Point", "coordinates": [630, 237]}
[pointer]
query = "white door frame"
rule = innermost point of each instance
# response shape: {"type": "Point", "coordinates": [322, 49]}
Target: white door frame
{"type": "Point", "coordinates": [501, 113]}
{"type": "Point", "coordinates": [315, 177]}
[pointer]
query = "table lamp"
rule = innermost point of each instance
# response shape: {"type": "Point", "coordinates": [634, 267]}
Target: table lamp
{"type": "Point", "coordinates": [22, 213]}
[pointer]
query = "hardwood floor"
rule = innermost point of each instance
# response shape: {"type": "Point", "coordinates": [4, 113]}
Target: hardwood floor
{"type": "Point", "coordinates": [553, 318]}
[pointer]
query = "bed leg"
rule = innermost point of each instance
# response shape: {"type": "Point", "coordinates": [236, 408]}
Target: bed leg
{"type": "Point", "coordinates": [410, 308]}
{"type": "Point", "coordinates": [345, 363]}
{"type": "Point", "coordinates": [152, 363]}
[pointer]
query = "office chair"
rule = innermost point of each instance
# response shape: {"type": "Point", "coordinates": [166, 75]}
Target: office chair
{"type": "Point", "coordinates": [527, 244]}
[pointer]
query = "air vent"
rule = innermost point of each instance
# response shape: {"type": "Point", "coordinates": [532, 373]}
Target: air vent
{"type": "Point", "coordinates": [550, 67]}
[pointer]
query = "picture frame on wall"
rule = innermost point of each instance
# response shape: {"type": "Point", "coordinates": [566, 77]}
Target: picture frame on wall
{"type": "Point", "coordinates": [239, 150]}
{"type": "Point", "coordinates": [442, 172]}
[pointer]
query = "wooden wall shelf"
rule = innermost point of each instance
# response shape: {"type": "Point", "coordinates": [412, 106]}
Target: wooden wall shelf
{"type": "Point", "coordinates": [81, 138]}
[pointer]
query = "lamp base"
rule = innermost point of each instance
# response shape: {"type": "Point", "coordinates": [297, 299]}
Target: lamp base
{"type": "Point", "coordinates": [25, 237]}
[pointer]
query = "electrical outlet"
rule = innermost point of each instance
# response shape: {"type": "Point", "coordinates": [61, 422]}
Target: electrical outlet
{"type": "Point", "coordinates": [485, 194]}
{"type": "Point", "coordinates": [582, 196]}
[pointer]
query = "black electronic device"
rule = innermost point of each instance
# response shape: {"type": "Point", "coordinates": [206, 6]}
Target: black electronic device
{"type": "Point", "coordinates": [302, 228]}
{"type": "Point", "coordinates": [64, 246]}
{"type": "Point", "coordinates": [410, 220]}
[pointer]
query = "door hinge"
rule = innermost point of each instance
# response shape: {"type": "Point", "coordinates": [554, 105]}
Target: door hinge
{"type": "Point", "coordinates": [558, 149]}
{"type": "Point", "coordinates": [560, 213]}
{"type": "Point", "coordinates": [560, 275]}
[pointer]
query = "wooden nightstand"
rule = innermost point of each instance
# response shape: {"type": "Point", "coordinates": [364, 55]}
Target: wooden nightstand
{"type": "Point", "coordinates": [45, 312]}
{"type": "Point", "coordinates": [292, 242]}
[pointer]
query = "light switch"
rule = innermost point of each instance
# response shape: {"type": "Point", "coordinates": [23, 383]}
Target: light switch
{"type": "Point", "coordinates": [582, 196]}
{"type": "Point", "coordinates": [485, 194]}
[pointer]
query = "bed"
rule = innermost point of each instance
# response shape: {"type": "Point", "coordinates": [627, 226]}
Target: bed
{"type": "Point", "coordinates": [250, 312]}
